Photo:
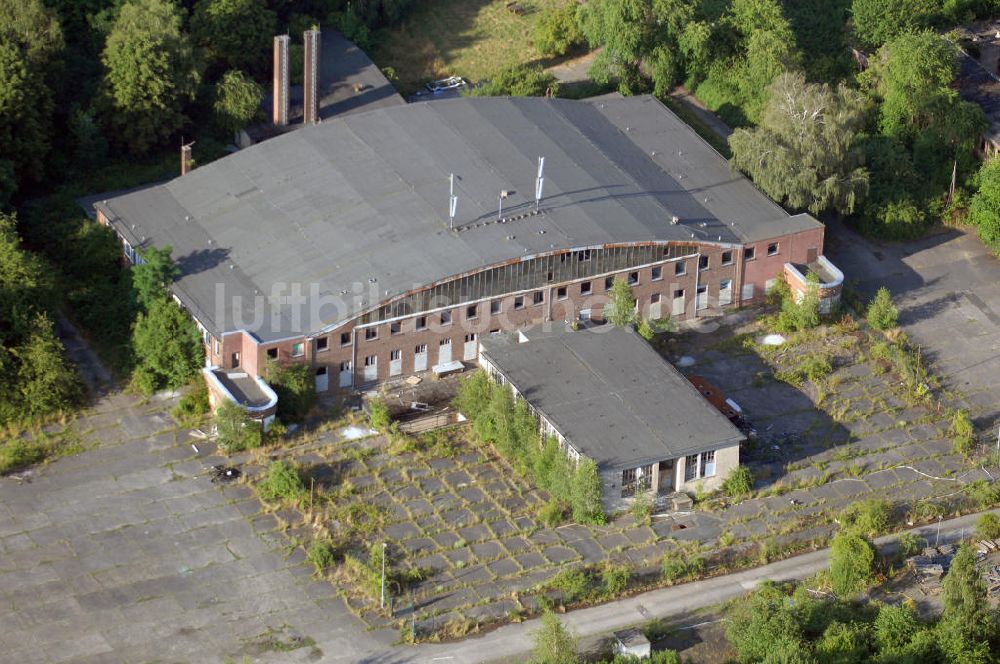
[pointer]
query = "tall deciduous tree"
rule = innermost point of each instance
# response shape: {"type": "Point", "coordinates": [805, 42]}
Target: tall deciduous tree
{"type": "Point", "coordinates": [620, 309]}
{"type": "Point", "coordinates": [806, 151]}
{"type": "Point", "coordinates": [553, 644]}
{"type": "Point", "coordinates": [877, 21]}
{"type": "Point", "coordinates": [153, 276]}
{"type": "Point", "coordinates": [167, 347]}
{"type": "Point", "coordinates": [237, 100]}
{"type": "Point", "coordinates": [236, 34]}
{"type": "Point", "coordinates": [150, 73]}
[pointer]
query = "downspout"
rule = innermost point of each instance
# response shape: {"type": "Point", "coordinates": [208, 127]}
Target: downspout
{"type": "Point", "coordinates": [697, 280]}
{"type": "Point", "coordinates": [354, 356]}
{"type": "Point", "coordinates": [739, 278]}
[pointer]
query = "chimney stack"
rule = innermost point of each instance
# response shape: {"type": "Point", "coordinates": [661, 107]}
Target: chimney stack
{"type": "Point", "coordinates": [310, 108]}
{"type": "Point", "coordinates": [279, 110]}
{"type": "Point", "coordinates": [186, 160]}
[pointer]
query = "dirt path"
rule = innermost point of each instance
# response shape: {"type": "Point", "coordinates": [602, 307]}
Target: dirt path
{"type": "Point", "coordinates": [93, 373]}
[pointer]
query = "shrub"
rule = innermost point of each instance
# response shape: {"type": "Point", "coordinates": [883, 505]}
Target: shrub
{"type": "Point", "coordinates": [586, 493]}
{"type": "Point", "coordinates": [675, 567]}
{"type": "Point", "coordinates": [321, 554]}
{"type": "Point", "coordinates": [739, 483]}
{"type": "Point", "coordinates": [378, 415]}
{"type": "Point", "coordinates": [882, 313]}
{"type": "Point", "coordinates": [615, 579]}
{"type": "Point", "coordinates": [988, 526]}
{"type": "Point", "coordinates": [852, 563]}
{"type": "Point", "coordinates": [553, 513]}
{"type": "Point", "coordinates": [556, 30]}
{"type": "Point", "coordinates": [553, 643]}
{"type": "Point", "coordinates": [193, 405]}
{"type": "Point", "coordinates": [982, 494]}
{"type": "Point", "coordinates": [295, 387]}
{"type": "Point", "coordinates": [572, 583]}
{"type": "Point", "coordinates": [519, 80]}
{"type": "Point", "coordinates": [963, 434]}
{"type": "Point", "coordinates": [642, 508]}
{"type": "Point", "coordinates": [236, 431]}
{"type": "Point", "coordinates": [867, 518]}
{"type": "Point", "coordinates": [645, 330]}
{"type": "Point", "coordinates": [19, 453]}
{"type": "Point", "coordinates": [281, 483]}
{"type": "Point", "coordinates": [908, 544]}
{"type": "Point", "coordinates": [762, 625]}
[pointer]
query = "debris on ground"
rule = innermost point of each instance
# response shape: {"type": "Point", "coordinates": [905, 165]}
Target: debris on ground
{"type": "Point", "coordinates": [225, 474]}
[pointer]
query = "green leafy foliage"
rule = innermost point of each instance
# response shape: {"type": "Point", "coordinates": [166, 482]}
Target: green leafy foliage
{"type": "Point", "coordinates": [988, 526]}
{"type": "Point", "coordinates": [806, 150]}
{"type": "Point", "coordinates": [553, 643]}
{"type": "Point", "coordinates": [620, 309]}
{"type": "Point", "coordinates": [234, 34]}
{"type": "Point", "coordinates": [556, 30]}
{"type": "Point", "coordinates": [193, 404]}
{"type": "Point", "coordinates": [877, 21]}
{"type": "Point", "coordinates": [150, 73]}
{"type": "Point", "coordinates": [167, 346]}
{"type": "Point", "coordinates": [852, 563]}
{"type": "Point", "coordinates": [867, 518]}
{"type": "Point", "coordinates": [236, 431]}
{"type": "Point", "coordinates": [378, 415]}
{"type": "Point", "coordinates": [321, 554]}
{"type": "Point", "coordinates": [963, 433]}
{"type": "Point", "coordinates": [763, 625]}
{"type": "Point", "coordinates": [517, 81]}
{"type": "Point", "coordinates": [642, 508]}
{"type": "Point", "coordinates": [572, 583]}
{"type": "Point", "coordinates": [615, 579]}
{"type": "Point", "coordinates": [984, 210]}
{"type": "Point", "coordinates": [237, 100]}
{"type": "Point", "coordinates": [967, 621]}
{"type": "Point", "coordinates": [678, 565]}
{"type": "Point", "coordinates": [153, 276]}
{"type": "Point", "coordinates": [281, 483]}
{"type": "Point", "coordinates": [882, 313]}
{"type": "Point", "coordinates": [296, 389]}
{"type": "Point", "coordinates": [739, 483]}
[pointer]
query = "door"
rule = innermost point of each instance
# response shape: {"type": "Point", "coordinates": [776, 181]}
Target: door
{"type": "Point", "coordinates": [701, 299]}
{"type": "Point", "coordinates": [346, 374]}
{"type": "Point", "coordinates": [371, 368]}
{"type": "Point", "coordinates": [654, 307]}
{"type": "Point", "coordinates": [677, 308]}
{"type": "Point", "coordinates": [420, 358]}
{"type": "Point", "coordinates": [471, 347]}
{"type": "Point", "coordinates": [396, 363]}
{"type": "Point", "coordinates": [725, 292]}
{"type": "Point", "coordinates": [322, 379]}
{"type": "Point", "coordinates": [444, 351]}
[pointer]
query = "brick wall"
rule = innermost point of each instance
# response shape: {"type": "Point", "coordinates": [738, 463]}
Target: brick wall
{"type": "Point", "coordinates": [794, 248]}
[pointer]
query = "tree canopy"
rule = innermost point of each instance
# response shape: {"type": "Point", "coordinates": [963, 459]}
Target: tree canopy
{"type": "Point", "coordinates": [984, 210]}
{"type": "Point", "coordinates": [236, 34]}
{"type": "Point", "coordinates": [237, 100]}
{"type": "Point", "coordinates": [806, 150]}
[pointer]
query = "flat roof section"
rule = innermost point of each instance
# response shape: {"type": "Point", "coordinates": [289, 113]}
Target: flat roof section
{"type": "Point", "coordinates": [612, 396]}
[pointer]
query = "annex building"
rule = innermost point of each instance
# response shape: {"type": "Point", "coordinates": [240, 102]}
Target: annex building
{"type": "Point", "coordinates": [604, 393]}
{"type": "Point", "coordinates": [388, 242]}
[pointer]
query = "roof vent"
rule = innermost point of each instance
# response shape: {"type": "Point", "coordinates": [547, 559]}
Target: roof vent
{"type": "Point", "coordinates": [653, 153]}
{"type": "Point", "coordinates": [187, 217]}
{"type": "Point", "coordinates": [675, 220]}
{"type": "Point", "coordinates": [541, 232]}
{"type": "Point", "coordinates": [703, 224]}
{"type": "Point", "coordinates": [232, 267]}
{"type": "Point", "coordinates": [343, 291]}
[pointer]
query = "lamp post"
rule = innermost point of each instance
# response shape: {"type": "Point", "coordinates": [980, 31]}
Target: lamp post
{"type": "Point", "coordinates": [382, 602]}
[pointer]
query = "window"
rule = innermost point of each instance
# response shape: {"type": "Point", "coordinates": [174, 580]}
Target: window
{"type": "Point", "coordinates": [657, 273]}
{"type": "Point", "coordinates": [747, 293]}
{"type": "Point", "coordinates": [537, 297]}
{"type": "Point", "coordinates": [345, 366]}
{"type": "Point", "coordinates": [680, 268]}
{"type": "Point", "coordinates": [420, 348]}
{"type": "Point", "coordinates": [395, 328]}
{"type": "Point", "coordinates": [654, 298]}
{"type": "Point", "coordinates": [519, 302]}
{"type": "Point", "coordinates": [703, 262]}
{"type": "Point", "coordinates": [644, 481]}
{"type": "Point", "coordinates": [585, 288]}
{"type": "Point", "coordinates": [236, 360]}
{"type": "Point", "coordinates": [272, 353]}
{"type": "Point", "coordinates": [298, 349]}
{"type": "Point", "coordinates": [708, 464]}
{"type": "Point", "coordinates": [444, 342]}
{"type": "Point", "coordinates": [471, 311]}
{"type": "Point", "coordinates": [690, 467]}
{"type": "Point", "coordinates": [608, 283]}
{"type": "Point", "coordinates": [345, 338]}
{"type": "Point", "coordinates": [679, 294]}
{"type": "Point", "coordinates": [772, 249]}
{"type": "Point", "coordinates": [422, 323]}
{"type": "Point", "coordinates": [446, 318]}
{"type": "Point", "coordinates": [322, 343]}
{"type": "Point", "coordinates": [633, 278]}
{"type": "Point", "coordinates": [725, 292]}
{"type": "Point", "coordinates": [395, 355]}
{"type": "Point", "coordinates": [628, 482]}
{"type": "Point", "coordinates": [636, 480]}
{"type": "Point", "coordinates": [548, 276]}
{"type": "Point", "coordinates": [561, 293]}
{"type": "Point", "coordinates": [583, 255]}
{"type": "Point", "coordinates": [702, 297]}
{"type": "Point", "coordinates": [495, 307]}
{"type": "Point", "coordinates": [495, 331]}
{"type": "Point", "coordinates": [470, 337]}
{"type": "Point", "coordinates": [371, 333]}
{"type": "Point", "coordinates": [727, 257]}
{"type": "Point", "coordinates": [748, 254]}
{"type": "Point", "coordinates": [371, 360]}
{"type": "Point", "coordinates": [216, 344]}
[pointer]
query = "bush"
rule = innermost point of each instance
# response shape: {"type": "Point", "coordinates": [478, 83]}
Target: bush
{"type": "Point", "coordinates": [642, 508]}
{"type": "Point", "coordinates": [167, 345]}
{"type": "Point", "coordinates": [281, 483]}
{"type": "Point", "coordinates": [852, 563]}
{"type": "Point", "coordinates": [553, 513]}
{"type": "Point", "coordinates": [982, 494]}
{"type": "Point", "coordinates": [553, 643]}
{"type": "Point", "coordinates": [796, 315]}
{"type": "Point", "coordinates": [321, 554]}
{"type": "Point", "coordinates": [988, 526]}
{"type": "Point", "coordinates": [572, 583]}
{"type": "Point", "coordinates": [378, 415]}
{"type": "Point", "coordinates": [517, 81]}
{"type": "Point", "coordinates": [615, 579]}
{"type": "Point", "coordinates": [762, 625]}
{"type": "Point", "coordinates": [645, 330]}
{"type": "Point", "coordinates": [882, 313]}
{"type": "Point", "coordinates": [556, 30]}
{"type": "Point", "coordinates": [739, 484]}
{"type": "Point", "coordinates": [908, 544]}
{"type": "Point", "coordinates": [193, 405]}
{"type": "Point", "coordinates": [236, 431]}
{"type": "Point", "coordinates": [962, 432]}
{"type": "Point", "coordinates": [296, 389]}
{"type": "Point", "coordinates": [868, 518]}
{"type": "Point", "coordinates": [675, 566]}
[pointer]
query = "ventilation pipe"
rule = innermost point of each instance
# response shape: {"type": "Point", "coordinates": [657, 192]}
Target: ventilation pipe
{"type": "Point", "coordinates": [310, 109]}
{"type": "Point", "coordinates": [279, 111]}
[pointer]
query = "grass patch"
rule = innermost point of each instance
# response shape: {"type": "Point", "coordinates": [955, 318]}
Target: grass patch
{"type": "Point", "coordinates": [19, 452]}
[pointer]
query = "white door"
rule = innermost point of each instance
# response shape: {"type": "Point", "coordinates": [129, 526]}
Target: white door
{"type": "Point", "coordinates": [322, 379]}
{"type": "Point", "coordinates": [725, 292]}
{"type": "Point", "coordinates": [701, 299]}
{"type": "Point", "coordinates": [654, 310]}
{"type": "Point", "coordinates": [371, 368]}
{"type": "Point", "coordinates": [471, 347]}
{"type": "Point", "coordinates": [444, 351]}
{"type": "Point", "coordinates": [346, 374]}
{"type": "Point", "coordinates": [678, 305]}
{"type": "Point", "coordinates": [420, 358]}
{"type": "Point", "coordinates": [396, 363]}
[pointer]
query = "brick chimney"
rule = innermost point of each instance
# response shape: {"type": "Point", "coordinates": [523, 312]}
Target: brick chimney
{"type": "Point", "coordinates": [279, 110]}
{"type": "Point", "coordinates": [310, 108]}
{"type": "Point", "coordinates": [186, 160]}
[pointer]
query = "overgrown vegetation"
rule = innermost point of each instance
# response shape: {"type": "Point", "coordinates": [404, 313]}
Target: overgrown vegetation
{"type": "Point", "coordinates": [513, 431]}
{"type": "Point", "coordinates": [236, 431]}
{"type": "Point", "coordinates": [295, 387]}
{"type": "Point", "coordinates": [882, 313]}
{"type": "Point", "coordinates": [18, 450]}
{"type": "Point", "coordinates": [193, 404]}
{"type": "Point", "coordinates": [739, 483]}
{"type": "Point", "coordinates": [281, 483]}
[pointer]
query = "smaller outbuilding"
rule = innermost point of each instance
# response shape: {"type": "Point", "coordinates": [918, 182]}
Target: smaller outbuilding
{"type": "Point", "coordinates": [604, 393]}
{"type": "Point", "coordinates": [632, 642]}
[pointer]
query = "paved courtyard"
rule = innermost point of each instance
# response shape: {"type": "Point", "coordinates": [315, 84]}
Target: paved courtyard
{"type": "Point", "coordinates": [128, 553]}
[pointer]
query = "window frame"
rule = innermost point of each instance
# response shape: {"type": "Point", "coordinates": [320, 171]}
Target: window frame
{"type": "Point", "coordinates": [656, 273]}
{"type": "Point", "coordinates": [728, 261]}
{"type": "Point", "coordinates": [776, 250]}
{"type": "Point", "coordinates": [680, 268]}
{"type": "Point", "coordinates": [322, 344]}
{"type": "Point", "coordinates": [301, 345]}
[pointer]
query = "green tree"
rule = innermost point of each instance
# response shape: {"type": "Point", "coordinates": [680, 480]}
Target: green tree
{"type": "Point", "coordinates": [46, 382]}
{"type": "Point", "coordinates": [877, 21]}
{"type": "Point", "coordinates": [152, 277]}
{"type": "Point", "coordinates": [843, 643]}
{"type": "Point", "coordinates": [965, 591]}
{"type": "Point", "coordinates": [763, 625]}
{"type": "Point", "coordinates": [150, 73]}
{"type": "Point", "coordinates": [236, 431]}
{"type": "Point", "coordinates": [620, 308]}
{"type": "Point", "coordinates": [296, 389]}
{"type": "Point", "coordinates": [553, 643]}
{"type": "Point", "coordinates": [882, 313]}
{"type": "Point", "coordinates": [167, 346]}
{"type": "Point", "coordinates": [586, 493]}
{"type": "Point", "coordinates": [517, 81]}
{"type": "Point", "coordinates": [806, 150]}
{"type": "Point", "coordinates": [852, 563]}
{"type": "Point", "coordinates": [895, 627]}
{"type": "Point", "coordinates": [237, 100]}
{"type": "Point", "coordinates": [556, 31]}
{"type": "Point", "coordinates": [984, 210]}
{"type": "Point", "coordinates": [235, 34]}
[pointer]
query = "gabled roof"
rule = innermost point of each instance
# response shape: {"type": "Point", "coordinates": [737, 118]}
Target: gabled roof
{"type": "Point", "coordinates": [611, 395]}
{"type": "Point", "coordinates": [355, 210]}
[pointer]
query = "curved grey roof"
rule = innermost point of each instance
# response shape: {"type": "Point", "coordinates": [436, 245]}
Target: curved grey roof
{"type": "Point", "coordinates": [355, 210]}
